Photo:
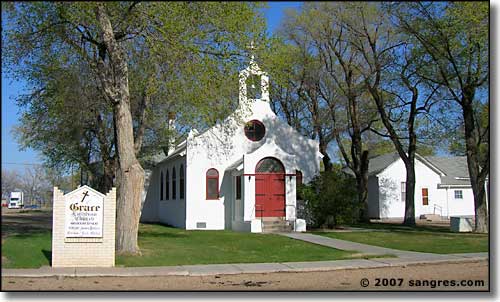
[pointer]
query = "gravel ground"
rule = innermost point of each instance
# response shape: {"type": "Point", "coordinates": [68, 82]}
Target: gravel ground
{"type": "Point", "coordinates": [339, 280]}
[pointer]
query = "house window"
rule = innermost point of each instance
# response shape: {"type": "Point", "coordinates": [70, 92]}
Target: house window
{"type": "Point", "coordinates": [181, 182]}
{"type": "Point", "coordinates": [212, 184]}
{"type": "Point", "coordinates": [167, 186]}
{"type": "Point", "coordinates": [174, 195]}
{"type": "Point", "coordinates": [255, 130]}
{"type": "Point", "coordinates": [403, 191]}
{"type": "Point", "coordinates": [459, 194]}
{"type": "Point", "coordinates": [238, 187]}
{"type": "Point", "coordinates": [425, 196]}
{"type": "Point", "coordinates": [161, 185]}
{"type": "Point", "coordinates": [298, 183]}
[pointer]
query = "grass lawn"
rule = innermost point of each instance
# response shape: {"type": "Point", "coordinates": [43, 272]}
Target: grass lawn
{"type": "Point", "coordinates": [31, 250]}
{"type": "Point", "coordinates": [163, 246]}
{"type": "Point", "coordinates": [420, 239]}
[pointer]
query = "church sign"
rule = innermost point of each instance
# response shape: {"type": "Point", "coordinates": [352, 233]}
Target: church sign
{"type": "Point", "coordinates": [83, 214]}
{"type": "Point", "coordinates": [83, 228]}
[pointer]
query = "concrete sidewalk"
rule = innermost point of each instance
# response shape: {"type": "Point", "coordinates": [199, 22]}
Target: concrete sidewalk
{"type": "Point", "coordinates": [239, 268]}
{"type": "Point", "coordinates": [366, 249]}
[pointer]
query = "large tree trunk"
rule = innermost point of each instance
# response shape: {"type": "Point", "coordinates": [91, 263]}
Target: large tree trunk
{"type": "Point", "coordinates": [131, 183]}
{"type": "Point", "coordinates": [477, 177]}
{"type": "Point", "coordinates": [130, 174]}
{"type": "Point", "coordinates": [410, 195]}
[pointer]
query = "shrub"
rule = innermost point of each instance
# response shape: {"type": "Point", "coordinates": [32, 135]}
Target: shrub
{"type": "Point", "coordinates": [330, 199]}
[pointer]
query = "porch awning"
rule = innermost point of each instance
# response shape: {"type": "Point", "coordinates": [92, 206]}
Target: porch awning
{"type": "Point", "coordinates": [237, 165]}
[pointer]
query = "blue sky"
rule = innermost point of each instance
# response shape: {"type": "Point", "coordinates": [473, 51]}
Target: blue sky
{"type": "Point", "coordinates": [12, 88]}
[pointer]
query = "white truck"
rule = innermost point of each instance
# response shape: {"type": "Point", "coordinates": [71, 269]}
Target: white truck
{"type": "Point", "coordinates": [16, 200]}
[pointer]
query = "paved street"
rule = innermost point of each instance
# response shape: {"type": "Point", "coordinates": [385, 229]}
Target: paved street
{"type": "Point", "coordinates": [343, 279]}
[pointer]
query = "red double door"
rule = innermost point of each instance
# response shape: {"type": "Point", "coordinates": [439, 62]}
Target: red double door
{"type": "Point", "coordinates": [270, 195]}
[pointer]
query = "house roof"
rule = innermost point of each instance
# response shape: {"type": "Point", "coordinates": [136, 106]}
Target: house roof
{"type": "Point", "coordinates": [453, 170]}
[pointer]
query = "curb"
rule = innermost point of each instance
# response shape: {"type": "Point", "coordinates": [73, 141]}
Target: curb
{"type": "Point", "coordinates": [229, 269]}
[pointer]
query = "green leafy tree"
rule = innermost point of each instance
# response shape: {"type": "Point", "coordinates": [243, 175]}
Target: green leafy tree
{"type": "Point", "coordinates": [105, 37]}
{"type": "Point", "coordinates": [331, 199]}
{"type": "Point", "coordinates": [454, 38]}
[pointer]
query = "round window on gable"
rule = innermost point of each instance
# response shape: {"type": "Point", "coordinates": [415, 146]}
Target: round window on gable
{"type": "Point", "coordinates": [255, 130]}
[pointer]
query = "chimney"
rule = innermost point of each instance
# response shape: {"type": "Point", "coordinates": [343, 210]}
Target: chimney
{"type": "Point", "coordinates": [171, 132]}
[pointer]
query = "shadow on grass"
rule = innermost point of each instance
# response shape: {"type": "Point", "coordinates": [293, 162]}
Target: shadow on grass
{"type": "Point", "coordinates": [48, 255]}
{"type": "Point", "coordinates": [19, 224]}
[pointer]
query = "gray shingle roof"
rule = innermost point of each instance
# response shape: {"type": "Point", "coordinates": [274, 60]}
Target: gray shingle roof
{"type": "Point", "coordinates": [454, 167]}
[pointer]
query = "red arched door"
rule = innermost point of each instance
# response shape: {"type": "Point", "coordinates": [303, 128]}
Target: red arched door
{"type": "Point", "coordinates": [269, 188]}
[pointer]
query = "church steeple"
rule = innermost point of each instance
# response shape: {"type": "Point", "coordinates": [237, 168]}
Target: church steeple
{"type": "Point", "coordinates": [254, 83]}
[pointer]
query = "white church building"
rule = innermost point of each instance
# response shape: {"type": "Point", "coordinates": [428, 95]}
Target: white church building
{"type": "Point", "coordinates": [241, 174]}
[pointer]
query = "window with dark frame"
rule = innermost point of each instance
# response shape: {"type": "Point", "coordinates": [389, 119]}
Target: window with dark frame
{"type": "Point", "coordinates": [174, 187]}
{"type": "Point", "coordinates": [161, 185]}
{"type": "Point", "coordinates": [212, 184]}
{"type": "Point", "coordinates": [181, 182]}
{"type": "Point", "coordinates": [255, 130]}
{"type": "Point", "coordinates": [425, 196]}
{"type": "Point", "coordinates": [459, 194]}
{"type": "Point", "coordinates": [167, 186]}
{"type": "Point", "coordinates": [238, 187]}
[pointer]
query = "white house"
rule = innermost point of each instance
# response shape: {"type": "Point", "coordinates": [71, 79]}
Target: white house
{"type": "Point", "coordinates": [442, 186]}
{"type": "Point", "coordinates": [241, 174]}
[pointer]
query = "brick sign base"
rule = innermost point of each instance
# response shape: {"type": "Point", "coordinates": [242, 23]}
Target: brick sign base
{"type": "Point", "coordinates": [83, 251]}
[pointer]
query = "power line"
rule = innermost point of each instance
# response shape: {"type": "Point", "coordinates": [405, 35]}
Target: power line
{"type": "Point", "coordinates": [25, 164]}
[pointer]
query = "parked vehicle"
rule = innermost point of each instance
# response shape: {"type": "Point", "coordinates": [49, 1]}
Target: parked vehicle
{"type": "Point", "coordinates": [16, 200]}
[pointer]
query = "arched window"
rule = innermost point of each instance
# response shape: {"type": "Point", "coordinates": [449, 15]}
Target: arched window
{"type": "Point", "coordinates": [167, 186]}
{"type": "Point", "coordinates": [174, 195]}
{"type": "Point", "coordinates": [212, 184]}
{"type": "Point", "coordinates": [161, 185]}
{"type": "Point", "coordinates": [181, 182]}
{"type": "Point", "coordinates": [269, 165]}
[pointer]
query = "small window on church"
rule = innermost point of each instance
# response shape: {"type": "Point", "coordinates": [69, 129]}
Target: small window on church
{"type": "Point", "coordinates": [212, 184]}
{"type": "Point", "coordinates": [253, 87]}
{"type": "Point", "coordinates": [174, 187]}
{"type": "Point", "coordinates": [161, 185]}
{"type": "Point", "coordinates": [255, 130]}
{"type": "Point", "coordinates": [181, 182]}
{"type": "Point", "coordinates": [238, 187]}
{"type": "Point", "coordinates": [167, 186]}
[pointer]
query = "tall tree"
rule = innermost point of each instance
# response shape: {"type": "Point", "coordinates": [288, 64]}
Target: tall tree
{"type": "Point", "coordinates": [454, 36]}
{"type": "Point", "coordinates": [100, 34]}
{"type": "Point", "coordinates": [335, 85]}
{"type": "Point", "coordinates": [390, 77]}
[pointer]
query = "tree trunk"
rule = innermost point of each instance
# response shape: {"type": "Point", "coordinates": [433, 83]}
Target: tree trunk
{"type": "Point", "coordinates": [326, 158]}
{"type": "Point", "coordinates": [363, 186]}
{"type": "Point", "coordinates": [131, 183]}
{"type": "Point", "coordinates": [410, 195]}
{"type": "Point", "coordinates": [477, 178]}
{"type": "Point", "coordinates": [130, 174]}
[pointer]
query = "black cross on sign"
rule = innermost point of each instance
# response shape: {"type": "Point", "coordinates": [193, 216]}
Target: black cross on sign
{"type": "Point", "coordinates": [85, 195]}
